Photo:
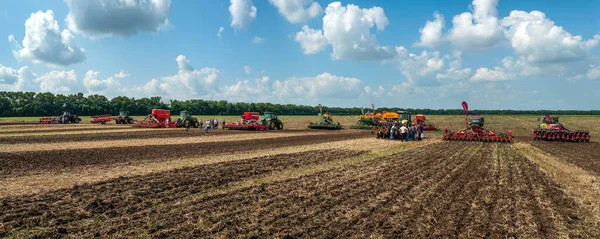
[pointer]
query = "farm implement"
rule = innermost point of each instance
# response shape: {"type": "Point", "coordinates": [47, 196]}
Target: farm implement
{"type": "Point", "coordinates": [367, 120]}
{"type": "Point", "coordinates": [427, 126]}
{"type": "Point", "coordinates": [157, 119]}
{"type": "Point", "coordinates": [248, 121]}
{"type": "Point", "coordinates": [65, 118]}
{"type": "Point", "coordinates": [552, 130]}
{"type": "Point", "coordinates": [326, 122]}
{"type": "Point", "coordinates": [474, 130]}
{"type": "Point", "coordinates": [102, 119]}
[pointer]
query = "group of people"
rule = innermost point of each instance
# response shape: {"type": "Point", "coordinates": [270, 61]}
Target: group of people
{"type": "Point", "coordinates": [208, 125]}
{"type": "Point", "coordinates": [413, 132]}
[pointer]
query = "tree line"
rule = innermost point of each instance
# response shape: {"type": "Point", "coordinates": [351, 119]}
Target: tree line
{"type": "Point", "coordinates": [48, 104]}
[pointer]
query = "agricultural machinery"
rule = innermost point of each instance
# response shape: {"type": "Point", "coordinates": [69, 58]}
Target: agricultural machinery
{"type": "Point", "coordinates": [326, 121]}
{"type": "Point", "coordinates": [270, 119]}
{"type": "Point", "coordinates": [124, 118]}
{"type": "Point", "coordinates": [248, 121]}
{"type": "Point", "coordinates": [427, 126]}
{"type": "Point", "coordinates": [367, 120]}
{"type": "Point", "coordinates": [65, 118]}
{"type": "Point", "coordinates": [552, 130]}
{"type": "Point", "coordinates": [186, 119]}
{"type": "Point", "coordinates": [474, 130]}
{"type": "Point", "coordinates": [157, 119]}
{"type": "Point", "coordinates": [102, 119]}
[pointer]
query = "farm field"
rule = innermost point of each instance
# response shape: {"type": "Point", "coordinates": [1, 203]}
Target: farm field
{"type": "Point", "coordinates": [114, 181]}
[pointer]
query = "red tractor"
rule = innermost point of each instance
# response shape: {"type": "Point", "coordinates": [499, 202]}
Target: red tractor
{"type": "Point", "coordinates": [65, 118]}
{"type": "Point", "coordinates": [157, 119]}
{"type": "Point", "coordinates": [474, 130]}
{"type": "Point", "coordinates": [552, 130]}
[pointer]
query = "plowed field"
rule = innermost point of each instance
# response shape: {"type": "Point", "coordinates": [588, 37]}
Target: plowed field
{"type": "Point", "coordinates": [291, 183]}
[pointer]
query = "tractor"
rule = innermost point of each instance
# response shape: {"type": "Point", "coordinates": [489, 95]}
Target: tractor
{"type": "Point", "coordinates": [124, 118]}
{"type": "Point", "coordinates": [66, 117]}
{"type": "Point", "coordinates": [185, 118]}
{"type": "Point", "coordinates": [270, 119]}
{"type": "Point", "coordinates": [552, 130]}
{"type": "Point", "coordinates": [367, 120]}
{"type": "Point", "coordinates": [326, 122]}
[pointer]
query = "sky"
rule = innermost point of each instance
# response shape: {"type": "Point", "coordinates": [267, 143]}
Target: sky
{"type": "Point", "coordinates": [494, 54]}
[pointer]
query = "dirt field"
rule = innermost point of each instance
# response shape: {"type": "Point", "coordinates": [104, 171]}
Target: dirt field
{"type": "Point", "coordinates": [109, 181]}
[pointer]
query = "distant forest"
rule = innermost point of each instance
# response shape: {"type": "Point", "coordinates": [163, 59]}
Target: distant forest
{"type": "Point", "coordinates": [47, 104]}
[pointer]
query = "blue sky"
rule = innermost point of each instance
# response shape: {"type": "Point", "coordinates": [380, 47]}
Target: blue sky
{"type": "Point", "coordinates": [495, 54]}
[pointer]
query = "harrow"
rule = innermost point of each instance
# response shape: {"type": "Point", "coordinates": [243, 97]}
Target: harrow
{"type": "Point", "coordinates": [102, 119]}
{"type": "Point", "coordinates": [249, 121]}
{"type": "Point", "coordinates": [552, 130]}
{"type": "Point", "coordinates": [474, 131]}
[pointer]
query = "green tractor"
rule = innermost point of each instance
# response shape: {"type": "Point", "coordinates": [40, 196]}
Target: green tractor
{"type": "Point", "coordinates": [186, 119]}
{"type": "Point", "coordinates": [270, 119]}
{"type": "Point", "coordinates": [124, 118]}
{"type": "Point", "coordinates": [326, 122]}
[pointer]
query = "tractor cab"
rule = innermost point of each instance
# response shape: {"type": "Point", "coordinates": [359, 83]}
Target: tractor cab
{"type": "Point", "coordinates": [269, 116]}
{"type": "Point", "coordinates": [123, 114]}
{"type": "Point", "coordinates": [545, 120]}
{"type": "Point", "coordinates": [476, 121]}
{"type": "Point", "coordinates": [184, 115]}
{"type": "Point", "coordinates": [404, 117]}
{"type": "Point", "coordinates": [66, 114]}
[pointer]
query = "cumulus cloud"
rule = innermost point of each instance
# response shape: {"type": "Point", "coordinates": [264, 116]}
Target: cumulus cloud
{"type": "Point", "coordinates": [297, 11]}
{"type": "Point", "coordinates": [257, 90]}
{"type": "Point", "coordinates": [431, 33]}
{"type": "Point", "coordinates": [594, 73]}
{"type": "Point", "coordinates": [121, 74]}
{"type": "Point", "coordinates": [257, 40]}
{"type": "Point", "coordinates": [117, 17]}
{"type": "Point", "coordinates": [247, 69]}
{"type": "Point", "coordinates": [59, 82]}
{"type": "Point", "coordinates": [94, 85]}
{"type": "Point", "coordinates": [311, 40]}
{"type": "Point", "coordinates": [454, 71]}
{"type": "Point", "coordinates": [16, 80]}
{"type": "Point", "coordinates": [420, 70]}
{"type": "Point", "coordinates": [348, 30]}
{"type": "Point", "coordinates": [44, 42]}
{"type": "Point", "coordinates": [477, 30]}
{"type": "Point", "coordinates": [8, 75]}
{"type": "Point", "coordinates": [538, 40]}
{"type": "Point", "coordinates": [496, 74]}
{"type": "Point", "coordinates": [187, 83]}
{"type": "Point", "coordinates": [243, 13]}
{"type": "Point", "coordinates": [219, 32]}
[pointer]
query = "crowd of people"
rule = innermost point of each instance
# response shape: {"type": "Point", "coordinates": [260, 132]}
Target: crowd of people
{"type": "Point", "coordinates": [207, 126]}
{"type": "Point", "coordinates": [401, 132]}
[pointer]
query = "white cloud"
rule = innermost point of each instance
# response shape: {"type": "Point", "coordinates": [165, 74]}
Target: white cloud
{"type": "Point", "coordinates": [594, 73]}
{"type": "Point", "coordinates": [257, 40]}
{"type": "Point", "coordinates": [247, 69]}
{"type": "Point", "coordinates": [478, 30]}
{"type": "Point", "coordinates": [454, 71]}
{"type": "Point", "coordinates": [431, 33]}
{"type": "Point", "coordinates": [538, 40]}
{"type": "Point", "coordinates": [311, 40]}
{"type": "Point", "coordinates": [496, 74]}
{"type": "Point", "coordinates": [347, 29]}
{"type": "Point", "coordinates": [187, 83]}
{"type": "Point", "coordinates": [117, 17]}
{"type": "Point", "coordinates": [16, 80]}
{"type": "Point", "coordinates": [8, 75]}
{"type": "Point", "coordinates": [243, 12]}
{"type": "Point", "coordinates": [294, 10]}
{"type": "Point", "coordinates": [108, 86]}
{"type": "Point", "coordinates": [44, 42]}
{"type": "Point", "coordinates": [121, 74]}
{"type": "Point", "coordinates": [420, 70]}
{"type": "Point", "coordinates": [58, 82]}
{"type": "Point", "coordinates": [220, 31]}
{"type": "Point", "coordinates": [534, 92]}
{"type": "Point", "coordinates": [257, 90]}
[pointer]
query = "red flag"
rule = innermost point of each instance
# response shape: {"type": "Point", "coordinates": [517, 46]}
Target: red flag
{"type": "Point", "coordinates": [465, 107]}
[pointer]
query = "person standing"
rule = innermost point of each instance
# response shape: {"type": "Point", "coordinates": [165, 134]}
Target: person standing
{"type": "Point", "coordinates": [207, 126]}
{"type": "Point", "coordinates": [420, 132]}
{"type": "Point", "coordinates": [201, 123]}
{"type": "Point", "coordinates": [187, 127]}
{"type": "Point", "coordinates": [404, 132]}
{"type": "Point", "coordinates": [413, 132]}
{"type": "Point", "coordinates": [392, 131]}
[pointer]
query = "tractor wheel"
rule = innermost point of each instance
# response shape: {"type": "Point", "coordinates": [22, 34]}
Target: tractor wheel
{"type": "Point", "coordinates": [186, 123]}
{"type": "Point", "coordinates": [103, 122]}
{"type": "Point", "coordinates": [280, 126]}
{"type": "Point", "coordinates": [130, 121]}
{"type": "Point", "coordinates": [272, 125]}
{"type": "Point", "coordinates": [196, 124]}
{"type": "Point", "coordinates": [76, 121]}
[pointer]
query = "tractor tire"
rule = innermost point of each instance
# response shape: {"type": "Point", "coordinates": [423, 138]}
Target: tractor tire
{"type": "Point", "coordinates": [272, 125]}
{"type": "Point", "coordinates": [196, 124]}
{"type": "Point", "coordinates": [185, 123]}
{"type": "Point", "coordinates": [130, 121]}
{"type": "Point", "coordinates": [280, 126]}
{"type": "Point", "coordinates": [76, 120]}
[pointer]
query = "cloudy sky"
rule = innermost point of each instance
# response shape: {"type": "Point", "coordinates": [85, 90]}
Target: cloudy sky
{"type": "Point", "coordinates": [495, 54]}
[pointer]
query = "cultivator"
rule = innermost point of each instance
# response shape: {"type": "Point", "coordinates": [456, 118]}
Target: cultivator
{"type": "Point", "coordinates": [427, 126]}
{"type": "Point", "coordinates": [474, 131]}
{"type": "Point", "coordinates": [552, 130]}
{"type": "Point", "coordinates": [102, 119]}
{"type": "Point", "coordinates": [367, 120]}
{"type": "Point", "coordinates": [157, 119]}
{"type": "Point", "coordinates": [248, 121]}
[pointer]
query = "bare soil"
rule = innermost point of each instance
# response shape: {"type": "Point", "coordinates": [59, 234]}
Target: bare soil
{"type": "Point", "coordinates": [584, 155]}
{"type": "Point", "coordinates": [20, 163]}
